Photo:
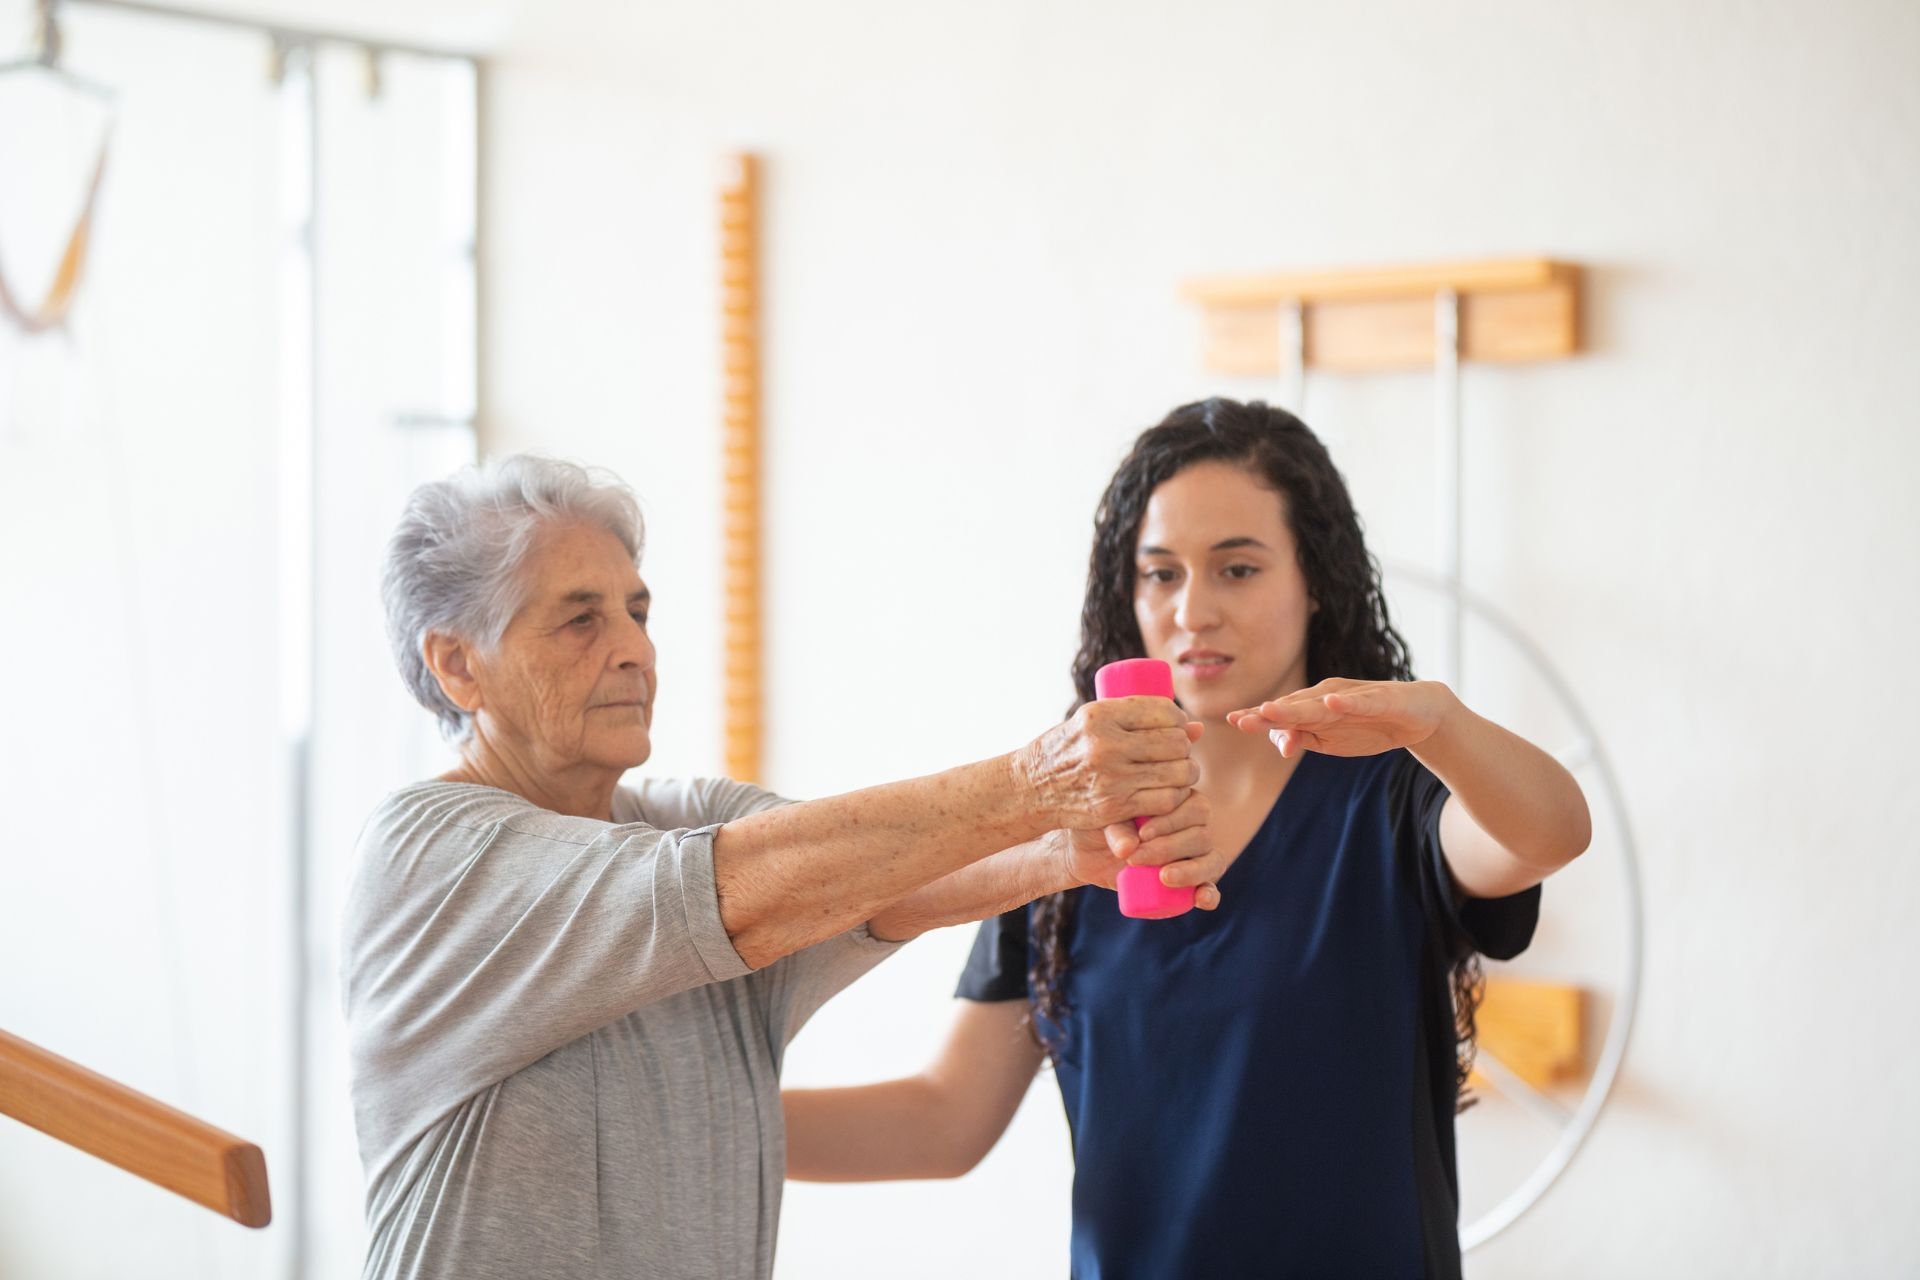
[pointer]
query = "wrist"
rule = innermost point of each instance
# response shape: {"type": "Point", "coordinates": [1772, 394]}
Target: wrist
{"type": "Point", "coordinates": [1057, 862]}
{"type": "Point", "coordinates": [1017, 802]}
{"type": "Point", "coordinates": [1452, 723]}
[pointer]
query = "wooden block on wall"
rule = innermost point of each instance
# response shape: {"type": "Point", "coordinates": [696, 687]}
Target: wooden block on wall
{"type": "Point", "coordinates": [1537, 1029]}
{"type": "Point", "coordinates": [1354, 322]}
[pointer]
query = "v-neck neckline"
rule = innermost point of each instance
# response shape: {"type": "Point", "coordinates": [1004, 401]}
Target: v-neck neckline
{"type": "Point", "coordinates": [1273, 810]}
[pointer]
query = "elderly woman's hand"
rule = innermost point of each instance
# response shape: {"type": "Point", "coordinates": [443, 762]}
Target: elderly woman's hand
{"type": "Point", "coordinates": [1114, 760]}
{"type": "Point", "coordinates": [1180, 843]}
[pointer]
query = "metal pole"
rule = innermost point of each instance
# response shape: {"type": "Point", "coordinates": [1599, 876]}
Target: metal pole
{"type": "Point", "coordinates": [1293, 355]}
{"type": "Point", "coordinates": [299, 1227]}
{"type": "Point", "coordinates": [1447, 471]}
{"type": "Point", "coordinates": [299, 532]}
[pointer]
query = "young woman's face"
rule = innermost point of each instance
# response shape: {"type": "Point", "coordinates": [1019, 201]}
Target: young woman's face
{"type": "Point", "coordinates": [1218, 590]}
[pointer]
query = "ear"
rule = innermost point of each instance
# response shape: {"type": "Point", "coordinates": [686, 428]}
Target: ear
{"type": "Point", "coordinates": [451, 661]}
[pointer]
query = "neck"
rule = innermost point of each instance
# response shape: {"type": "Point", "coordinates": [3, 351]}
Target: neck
{"type": "Point", "coordinates": [1237, 767]}
{"type": "Point", "coordinates": [580, 790]}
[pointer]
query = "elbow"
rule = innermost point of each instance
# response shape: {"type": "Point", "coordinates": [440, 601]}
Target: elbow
{"type": "Point", "coordinates": [1579, 835]}
{"type": "Point", "coordinates": [963, 1146]}
{"type": "Point", "coordinates": [758, 925]}
{"type": "Point", "coordinates": [1573, 839]}
{"type": "Point", "coordinates": [1582, 841]}
{"type": "Point", "coordinates": [956, 1162]}
{"type": "Point", "coordinates": [758, 947]}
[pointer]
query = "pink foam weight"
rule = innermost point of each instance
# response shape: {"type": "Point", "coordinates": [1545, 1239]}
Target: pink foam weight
{"type": "Point", "coordinates": [1134, 678]}
{"type": "Point", "coordinates": [1142, 896]}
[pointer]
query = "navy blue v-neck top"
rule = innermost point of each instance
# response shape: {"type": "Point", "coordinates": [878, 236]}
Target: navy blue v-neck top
{"type": "Point", "coordinates": [1267, 1089]}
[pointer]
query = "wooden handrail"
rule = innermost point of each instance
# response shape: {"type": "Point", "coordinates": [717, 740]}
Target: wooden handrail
{"type": "Point", "coordinates": [142, 1135]}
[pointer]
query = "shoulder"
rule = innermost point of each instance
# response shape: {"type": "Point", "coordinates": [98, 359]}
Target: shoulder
{"type": "Point", "coordinates": [671, 803]}
{"type": "Point", "coordinates": [423, 837]}
{"type": "Point", "coordinates": [435, 806]}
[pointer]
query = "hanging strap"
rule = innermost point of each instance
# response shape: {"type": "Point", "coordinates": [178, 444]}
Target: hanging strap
{"type": "Point", "coordinates": [53, 309]}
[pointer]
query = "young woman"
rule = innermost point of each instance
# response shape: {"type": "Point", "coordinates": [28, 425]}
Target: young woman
{"type": "Point", "coordinates": [1267, 1088]}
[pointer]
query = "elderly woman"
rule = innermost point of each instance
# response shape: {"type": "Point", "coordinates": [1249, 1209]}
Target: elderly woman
{"type": "Point", "coordinates": [568, 998]}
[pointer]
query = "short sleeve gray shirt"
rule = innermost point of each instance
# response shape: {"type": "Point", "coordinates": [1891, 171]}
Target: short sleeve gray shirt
{"type": "Point", "coordinates": [560, 1064]}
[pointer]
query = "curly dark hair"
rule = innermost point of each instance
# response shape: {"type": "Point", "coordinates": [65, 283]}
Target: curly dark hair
{"type": "Point", "coordinates": [1348, 635]}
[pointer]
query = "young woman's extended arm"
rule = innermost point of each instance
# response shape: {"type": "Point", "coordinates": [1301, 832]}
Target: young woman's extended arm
{"type": "Point", "coordinates": [1515, 816]}
{"type": "Point", "coordinates": [937, 1124]}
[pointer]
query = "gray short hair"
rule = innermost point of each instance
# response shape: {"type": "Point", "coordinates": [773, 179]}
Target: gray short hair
{"type": "Point", "coordinates": [453, 565]}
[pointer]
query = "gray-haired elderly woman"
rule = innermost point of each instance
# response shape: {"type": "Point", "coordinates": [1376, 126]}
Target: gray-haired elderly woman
{"type": "Point", "coordinates": [569, 998]}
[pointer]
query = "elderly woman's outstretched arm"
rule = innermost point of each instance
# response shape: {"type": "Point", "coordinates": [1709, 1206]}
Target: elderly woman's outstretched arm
{"type": "Point", "coordinates": [797, 875]}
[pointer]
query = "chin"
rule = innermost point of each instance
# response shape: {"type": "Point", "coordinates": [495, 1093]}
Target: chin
{"type": "Point", "coordinates": [1215, 699]}
{"type": "Point", "coordinates": [628, 754]}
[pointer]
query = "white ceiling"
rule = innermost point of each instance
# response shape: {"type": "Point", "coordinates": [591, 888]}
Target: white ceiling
{"type": "Point", "coordinates": [467, 26]}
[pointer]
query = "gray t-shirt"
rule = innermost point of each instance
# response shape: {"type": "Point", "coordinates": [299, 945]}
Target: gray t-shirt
{"type": "Point", "coordinates": [561, 1066]}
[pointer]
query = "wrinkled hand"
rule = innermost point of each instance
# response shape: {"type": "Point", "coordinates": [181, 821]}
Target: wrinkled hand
{"type": "Point", "coordinates": [1351, 717]}
{"type": "Point", "coordinates": [1180, 843]}
{"type": "Point", "coordinates": [1113, 760]}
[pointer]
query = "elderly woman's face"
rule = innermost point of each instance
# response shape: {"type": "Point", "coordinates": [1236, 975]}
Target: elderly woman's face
{"type": "Point", "coordinates": [573, 679]}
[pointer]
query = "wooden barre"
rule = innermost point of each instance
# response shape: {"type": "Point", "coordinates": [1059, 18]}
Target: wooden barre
{"type": "Point", "coordinates": [142, 1135]}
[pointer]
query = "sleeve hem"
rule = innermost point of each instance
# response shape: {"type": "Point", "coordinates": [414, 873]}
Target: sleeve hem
{"type": "Point", "coordinates": [700, 896]}
{"type": "Point", "coordinates": [861, 938]}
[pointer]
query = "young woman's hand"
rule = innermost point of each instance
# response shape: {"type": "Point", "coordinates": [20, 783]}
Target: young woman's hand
{"type": "Point", "coordinates": [1351, 717]}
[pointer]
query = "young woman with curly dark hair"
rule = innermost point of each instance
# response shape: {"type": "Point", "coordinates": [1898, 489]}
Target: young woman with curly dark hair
{"type": "Point", "coordinates": [1266, 1087]}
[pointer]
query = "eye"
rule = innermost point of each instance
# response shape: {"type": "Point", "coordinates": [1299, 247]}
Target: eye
{"type": "Point", "coordinates": [1238, 571]}
{"type": "Point", "coordinates": [1156, 574]}
{"type": "Point", "coordinates": [583, 620]}
{"type": "Point", "coordinates": [640, 616]}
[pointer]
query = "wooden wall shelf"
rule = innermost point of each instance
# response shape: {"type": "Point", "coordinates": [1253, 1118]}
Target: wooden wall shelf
{"type": "Point", "coordinates": [1383, 318]}
{"type": "Point", "coordinates": [1537, 1029]}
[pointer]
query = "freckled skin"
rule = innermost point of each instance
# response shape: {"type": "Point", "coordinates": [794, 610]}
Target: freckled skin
{"type": "Point", "coordinates": [545, 723]}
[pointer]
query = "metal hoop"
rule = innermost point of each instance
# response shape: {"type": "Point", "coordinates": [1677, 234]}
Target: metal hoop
{"type": "Point", "coordinates": [1590, 752]}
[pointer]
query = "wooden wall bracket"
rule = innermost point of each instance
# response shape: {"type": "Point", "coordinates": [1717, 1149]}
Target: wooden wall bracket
{"type": "Point", "coordinates": [1537, 1029]}
{"type": "Point", "coordinates": [1383, 318]}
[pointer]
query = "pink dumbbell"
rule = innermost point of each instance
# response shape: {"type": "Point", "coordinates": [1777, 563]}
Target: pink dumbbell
{"type": "Point", "coordinates": [1142, 896]}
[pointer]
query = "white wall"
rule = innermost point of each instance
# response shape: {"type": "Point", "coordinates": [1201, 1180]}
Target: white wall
{"type": "Point", "coordinates": [141, 929]}
{"type": "Point", "coordinates": [978, 216]}
{"type": "Point", "coordinates": [151, 600]}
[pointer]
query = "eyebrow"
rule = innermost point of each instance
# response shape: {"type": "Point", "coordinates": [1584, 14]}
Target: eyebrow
{"type": "Point", "coordinates": [1227, 544]}
{"type": "Point", "coordinates": [642, 596]}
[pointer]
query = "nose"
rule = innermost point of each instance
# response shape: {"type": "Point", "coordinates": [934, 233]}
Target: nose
{"type": "Point", "coordinates": [633, 649]}
{"type": "Point", "coordinates": [1196, 609]}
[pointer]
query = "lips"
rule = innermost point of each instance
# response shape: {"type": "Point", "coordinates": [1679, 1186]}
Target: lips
{"type": "Point", "coordinates": [1204, 663]}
